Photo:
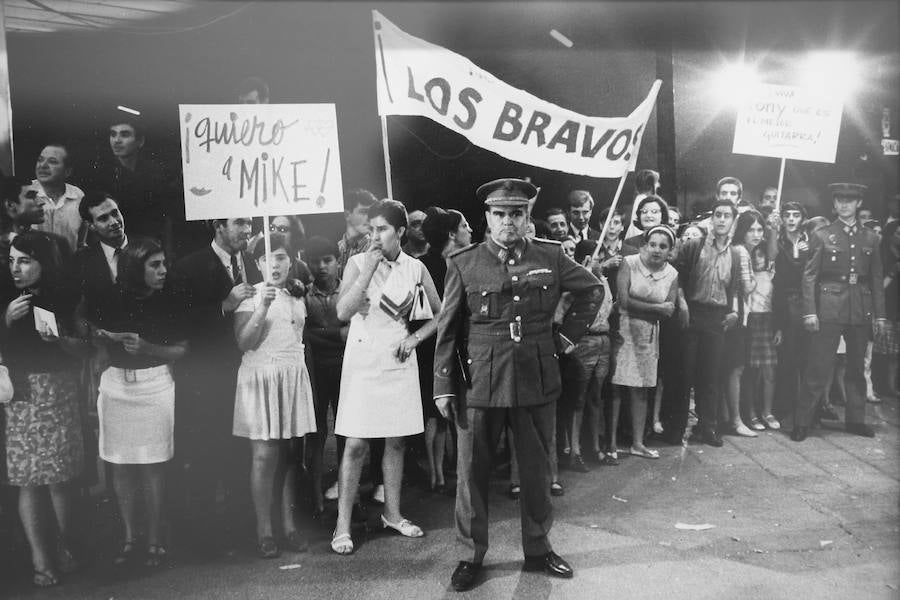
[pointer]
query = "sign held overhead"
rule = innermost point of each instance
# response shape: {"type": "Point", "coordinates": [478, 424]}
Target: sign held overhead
{"type": "Point", "coordinates": [259, 159]}
{"type": "Point", "coordinates": [789, 122]}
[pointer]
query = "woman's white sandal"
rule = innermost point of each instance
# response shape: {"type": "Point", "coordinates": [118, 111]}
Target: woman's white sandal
{"type": "Point", "coordinates": [342, 544]}
{"type": "Point", "coordinates": [405, 527]}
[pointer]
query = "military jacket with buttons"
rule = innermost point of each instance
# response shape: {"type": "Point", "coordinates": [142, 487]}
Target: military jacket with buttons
{"type": "Point", "coordinates": [495, 333]}
{"type": "Point", "coordinates": [842, 280]}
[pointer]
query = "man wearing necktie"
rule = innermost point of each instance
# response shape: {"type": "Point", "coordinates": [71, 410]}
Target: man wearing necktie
{"type": "Point", "coordinates": [213, 281]}
{"type": "Point", "coordinates": [496, 364]}
{"type": "Point", "coordinates": [581, 205]}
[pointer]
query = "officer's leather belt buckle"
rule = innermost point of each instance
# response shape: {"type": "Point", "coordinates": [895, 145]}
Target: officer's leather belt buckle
{"type": "Point", "coordinates": [853, 278]}
{"type": "Point", "coordinates": [515, 331]}
{"type": "Point", "coordinates": [130, 375]}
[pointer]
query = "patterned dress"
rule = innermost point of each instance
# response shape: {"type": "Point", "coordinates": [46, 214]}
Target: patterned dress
{"type": "Point", "coordinates": [43, 432]}
{"type": "Point", "coordinates": [637, 352]}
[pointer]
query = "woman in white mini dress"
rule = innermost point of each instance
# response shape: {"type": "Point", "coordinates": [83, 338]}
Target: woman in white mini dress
{"type": "Point", "coordinates": [380, 395]}
{"type": "Point", "coordinates": [273, 403]}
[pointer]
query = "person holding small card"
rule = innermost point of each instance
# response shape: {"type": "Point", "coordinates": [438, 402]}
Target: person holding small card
{"type": "Point", "coordinates": [140, 333]}
{"type": "Point", "coordinates": [44, 444]}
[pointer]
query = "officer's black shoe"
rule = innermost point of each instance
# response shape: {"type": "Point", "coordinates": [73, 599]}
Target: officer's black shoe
{"type": "Point", "coordinates": [860, 429]}
{"type": "Point", "coordinates": [826, 413]}
{"type": "Point", "coordinates": [798, 434]}
{"type": "Point", "coordinates": [550, 563]}
{"type": "Point", "coordinates": [707, 435]}
{"type": "Point", "coordinates": [464, 575]}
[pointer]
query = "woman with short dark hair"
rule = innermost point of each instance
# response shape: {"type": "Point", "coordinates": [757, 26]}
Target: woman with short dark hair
{"type": "Point", "coordinates": [140, 333]}
{"type": "Point", "coordinates": [380, 395]}
{"type": "Point", "coordinates": [44, 445]}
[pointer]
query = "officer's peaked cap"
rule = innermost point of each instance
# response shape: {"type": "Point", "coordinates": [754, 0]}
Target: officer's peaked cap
{"type": "Point", "coordinates": [847, 189]}
{"type": "Point", "coordinates": [506, 192]}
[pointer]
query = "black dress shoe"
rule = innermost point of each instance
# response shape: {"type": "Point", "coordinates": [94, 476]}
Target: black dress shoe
{"type": "Point", "coordinates": [798, 434]}
{"type": "Point", "coordinates": [710, 436]}
{"type": "Point", "coordinates": [550, 563]}
{"type": "Point", "coordinates": [860, 429]}
{"type": "Point", "coordinates": [464, 575]}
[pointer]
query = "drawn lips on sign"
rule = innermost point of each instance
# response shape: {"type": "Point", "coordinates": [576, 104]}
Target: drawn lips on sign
{"type": "Point", "coordinates": [199, 191]}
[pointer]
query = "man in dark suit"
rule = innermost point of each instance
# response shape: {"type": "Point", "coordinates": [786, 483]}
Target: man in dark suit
{"type": "Point", "coordinates": [96, 265]}
{"type": "Point", "coordinates": [213, 281]}
{"type": "Point", "coordinates": [499, 301]}
{"type": "Point", "coordinates": [843, 295]}
{"type": "Point", "coordinates": [581, 205]}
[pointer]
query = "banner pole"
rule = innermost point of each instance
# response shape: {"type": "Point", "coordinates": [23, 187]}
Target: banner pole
{"type": "Point", "coordinates": [780, 181]}
{"type": "Point", "coordinates": [387, 157]}
{"type": "Point", "coordinates": [612, 208]}
{"type": "Point", "coordinates": [268, 242]}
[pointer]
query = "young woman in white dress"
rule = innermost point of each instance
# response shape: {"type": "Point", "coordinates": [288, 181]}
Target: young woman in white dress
{"type": "Point", "coordinates": [380, 395]}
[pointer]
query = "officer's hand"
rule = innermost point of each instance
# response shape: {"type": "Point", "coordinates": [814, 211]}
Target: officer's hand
{"type": "Point", "coordinates": [777, 339]}
{"type": "Point", "coordinates": [811, 323]}
{"type": "Point", "coordinates": [880, 327]}
{"type": "Point", "coordinates": [802, 246]}
{"type": "Point", "coordinates": [446, 405]}
{"type": "Point", "coordinates": [729, 321]}
{"type": "Point", "coordinates": [684, 316]}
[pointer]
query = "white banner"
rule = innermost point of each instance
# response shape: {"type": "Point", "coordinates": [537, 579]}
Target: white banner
{"type": "Point", "coordinates": [259, 159]}
{"type": "Point", "coordinates": [419, 78]}
{"type": "Point", "coordinates": [788, 122]}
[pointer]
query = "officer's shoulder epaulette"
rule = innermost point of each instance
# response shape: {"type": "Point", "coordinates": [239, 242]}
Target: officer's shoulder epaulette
{"type": "Point", "coordinates": [462, 250]}
{"type": "Point", "coordinates": [546, 241]}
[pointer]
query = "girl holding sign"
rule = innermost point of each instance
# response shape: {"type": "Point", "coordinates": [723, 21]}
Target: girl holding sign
{"type": "Point", "coordinates": [273, 406]}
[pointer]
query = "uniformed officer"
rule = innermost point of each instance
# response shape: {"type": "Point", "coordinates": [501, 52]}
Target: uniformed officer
{"type": "Point", "coordinates": [496, 363]}
{"type": "Point", "coordinates": [842, 293]}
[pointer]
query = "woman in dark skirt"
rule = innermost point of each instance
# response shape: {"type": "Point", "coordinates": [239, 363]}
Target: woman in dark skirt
{"type": "Point", "coordinates": [44, 444]}
{"type": "Point", "coordinates": [445, 231]}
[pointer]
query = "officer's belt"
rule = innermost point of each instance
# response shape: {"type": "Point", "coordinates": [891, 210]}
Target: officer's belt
{"type": "Point", "coordinates": [503, 329]}
{"type": "Point", "coordinates": [843, 279]}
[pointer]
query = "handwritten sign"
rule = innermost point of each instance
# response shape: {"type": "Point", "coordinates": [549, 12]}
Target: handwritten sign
{"type": "Point", "coordinates": [788, 122]}
{"type": "Point", "coordinates": [259, 159]}
{"type": "Point", "coordinates": [415, 77]}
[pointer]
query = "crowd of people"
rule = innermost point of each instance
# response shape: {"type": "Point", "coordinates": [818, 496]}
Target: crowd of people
{"type": "Point", "coordinates": [185, 347]}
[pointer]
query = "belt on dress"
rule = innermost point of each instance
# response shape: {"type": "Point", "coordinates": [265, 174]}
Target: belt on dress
{"type": "Point", "coordinates": [135, 375]}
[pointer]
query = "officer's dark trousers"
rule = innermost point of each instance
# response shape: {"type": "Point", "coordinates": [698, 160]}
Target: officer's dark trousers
{"type": "Point", "coordinates": [704, 342]}
{"type": "Point", "coordinates": [478, 432]}
{"type": "Point", "coordinates": [820, 362]}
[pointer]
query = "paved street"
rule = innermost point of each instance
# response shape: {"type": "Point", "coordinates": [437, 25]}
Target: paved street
{"type": "Point", "coordinates": [812, 520]}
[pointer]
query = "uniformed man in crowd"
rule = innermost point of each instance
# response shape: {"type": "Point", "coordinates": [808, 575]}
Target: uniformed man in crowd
{"type": "Point", "coordinates": [496, 364]}
{"type": "Point", "coordinates": [842, 294]}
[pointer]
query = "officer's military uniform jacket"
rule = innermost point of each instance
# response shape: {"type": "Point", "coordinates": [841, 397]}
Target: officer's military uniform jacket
{"type": "Point", "coordinates": [498, 311]}
{"type": "Point", "coordinates": [842, 281]}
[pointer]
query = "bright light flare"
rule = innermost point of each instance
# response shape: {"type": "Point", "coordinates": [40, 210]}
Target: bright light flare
{"type": "Point", "coordinates": [832, 72]}
{"type": "Point", "coordinates": [732, 83]}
